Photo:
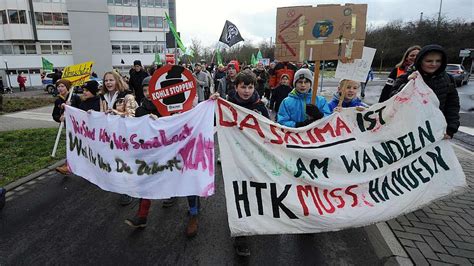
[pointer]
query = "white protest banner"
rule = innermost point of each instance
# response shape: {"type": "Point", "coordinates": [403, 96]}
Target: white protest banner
{"type": "Point", "coordinates": [359, 69]}
{"type": "Point", "coordinates": [141, 157]}
{"type": "Point", "coordinates": [350, 169]}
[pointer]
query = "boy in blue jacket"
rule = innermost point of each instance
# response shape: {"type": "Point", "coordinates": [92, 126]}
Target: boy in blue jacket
{"type": "Point", "coordinates": [296, 110]}
{"type": "Point", "coordinates": [350, 96]}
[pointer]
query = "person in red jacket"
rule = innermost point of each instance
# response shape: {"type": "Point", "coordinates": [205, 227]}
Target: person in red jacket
{"type": "Point", "coordinates": [21, 79]}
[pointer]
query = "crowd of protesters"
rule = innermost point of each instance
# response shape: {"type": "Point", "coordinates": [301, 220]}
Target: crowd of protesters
{"type": "Point", "coordinates": [281, 88]}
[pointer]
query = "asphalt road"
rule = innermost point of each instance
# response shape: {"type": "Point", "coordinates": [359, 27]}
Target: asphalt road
{"type": "Point", "coordinates": [67, 220]}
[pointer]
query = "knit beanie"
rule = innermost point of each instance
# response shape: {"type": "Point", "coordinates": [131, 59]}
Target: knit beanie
{"type": "Point", "coordinates": [303, 73]}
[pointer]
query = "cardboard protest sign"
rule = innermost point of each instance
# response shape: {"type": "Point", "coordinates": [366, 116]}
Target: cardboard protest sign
{"type": "Point", "coordinates": [172, 89]}
{"type": "Point", "coordinates": [357, 70]}
{"type": "Point", "coordinates": [78, 74]}
{"type": "Point", "coordinates": [350, 169]}
{"type": "Point", "coordinates": [141, 157]}
{"type": "Point", "coordinates": [333, 31]}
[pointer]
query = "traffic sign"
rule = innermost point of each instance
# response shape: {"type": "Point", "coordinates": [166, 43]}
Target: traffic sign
{"type": "Point", "coordinates": [464, 53]}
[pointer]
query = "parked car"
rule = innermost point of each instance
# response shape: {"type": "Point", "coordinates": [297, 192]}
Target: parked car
{"type": "Point", "coordinates": [460, 75]}
{"type": "Point", "coordinates": [47, 81]}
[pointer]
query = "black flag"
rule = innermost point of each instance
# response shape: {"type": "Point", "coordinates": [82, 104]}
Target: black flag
{"type": "Point", "coordinates": [122, 62]}
{"type": "Point", "coordinates": [230, 34]}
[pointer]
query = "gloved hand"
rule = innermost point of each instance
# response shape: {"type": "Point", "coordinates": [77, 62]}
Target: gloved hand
{"type": "Point", "coordinates": [304, 123]}
{"type": "Point", "coordinates": [313, 112]}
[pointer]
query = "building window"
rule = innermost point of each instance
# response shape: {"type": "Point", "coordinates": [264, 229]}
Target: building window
{"type": "Point", "coordinates": [65, 19]}
{"type": "Point", "coordinates": [6, 49]}
{"type": "Point", "coordinates": [116, 49]}
{"type": "Point", "coordinates": [3, 17]}
{"type": "Point", "coordinates": [39, 18]}
{"type": "Point", "coordinates": [135, 49]}
{"type": "Point", "coordinates": [57, 49]}
{"type": "Point", "coordinates": [119, 21]}
{"type": "Point", "coordinates": [67, 49]}
{"type": "Point", "coordinates": [135, 21]}
{"type": "Point", "coordinates": [30, 49]}
{"type": "Point", "coordinates": [147, 49]}
{"type": "Point", "coordinates": [46, 49]}
{"type": "Point", "coordinates": [48, 18]}
{"type": "Point", "coordinates": [13, 16]}
{"type": "Point", "coordinates": [159, 22]}
{"type": "Point", "coordinates": [126, 49]}
{"type": "Point", "coordinates": [112, 21]}
{"type": "Point", "coordinates": [127, 21]}
{"type": "Point", "coordinates": [126, 2]}
{"type": "Point", "coordinates": [58, 19]}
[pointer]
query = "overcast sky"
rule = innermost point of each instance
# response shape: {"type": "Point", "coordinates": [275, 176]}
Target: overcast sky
{"type": "Point", "coordinates": [204, 19]}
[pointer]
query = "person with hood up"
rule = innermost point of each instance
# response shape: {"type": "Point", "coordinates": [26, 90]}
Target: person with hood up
{"type": "Point", "coordinates": [350, 96]}
{"type": "Point", "coordinates": [431, 64]}
{"type": "Point", "coordinates": [296, 110]}
{"type": "Point", "coordinates": [137, 75]}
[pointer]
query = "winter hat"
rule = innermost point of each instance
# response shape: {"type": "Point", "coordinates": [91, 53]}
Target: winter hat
{"type": "Point", "coordinates": [303, 73]}
{"type": "Point", "coordinates": [65, 82]}
{"type": "Point", "coordinates": [146, 81]}
{"type": "Point", "coordinates": [137, 63]}
{"type": "Point", "coordinates": [92, 86]}
{"type": "Point", "coordinates": [285, 75]}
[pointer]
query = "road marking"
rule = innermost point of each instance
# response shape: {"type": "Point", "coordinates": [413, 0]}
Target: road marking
{"type": "Point", "coordinates": [31, 116]}
{"type": "Point", "coordinates": [467, 130]}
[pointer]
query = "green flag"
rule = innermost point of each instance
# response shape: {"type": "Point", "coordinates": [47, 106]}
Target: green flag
{"type": "Point", "coordinates": [46, 64]}
{"type": "Point", "coordinates": [190, 52]}
{"type": "Point", "coordinates": [157, 58]}
{"type": "Point", "coordinates": [253, 60]}
{"type": "Point", "coordinates": [259, 55]}
{"type": "Point", "coordinates": [175, 34]}
{"type": "Point", "coordinates": [219, 57]}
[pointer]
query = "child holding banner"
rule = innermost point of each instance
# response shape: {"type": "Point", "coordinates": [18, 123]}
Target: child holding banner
{"type": "Point", "coordinates": [113, 89]}
{"type": "Point", "coordinates": [296, 110]}
{"type": "Point", "coordinates": [431, 64]}
{"type": "Point", "coordinates": [246, 96]}
{"type": "Point", "coordinates": [350, 96]}
{"type": "Point", "coordinates": [63, 86]}
{"type": "Point", "coordinates": [140, 219]}
{"type": "Point", "coordinates": [90, 100]}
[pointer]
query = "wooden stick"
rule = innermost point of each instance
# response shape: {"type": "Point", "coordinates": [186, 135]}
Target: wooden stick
{"type": "Point", "coordinates": [343, 93]}
{"type": "Point", "coordinates": [58, 136]}
{"type": "Point", "coordinates": [315, 82]}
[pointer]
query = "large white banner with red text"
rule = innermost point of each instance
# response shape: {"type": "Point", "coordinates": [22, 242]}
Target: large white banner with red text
{"type": "Point", "coordinates": [142, 157]}
{"type": "Point", "coordinates": [350, 169]}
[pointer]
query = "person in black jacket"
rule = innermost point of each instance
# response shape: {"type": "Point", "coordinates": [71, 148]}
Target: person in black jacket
{"type": "Point", "coordinates": [63, 87]}
{"type": "Point", "coordinates": [262, 79]}
{"type": "Point", "coordinates": [137, 75]}
{"type": "Point", "coordinates": [90, 101]}
{"type": "Point", "coordinates": [246, 95]}
{"type": "Point", "coordinates": [431, 65]}
{"type": "Point", "coordinates": [280, 92]}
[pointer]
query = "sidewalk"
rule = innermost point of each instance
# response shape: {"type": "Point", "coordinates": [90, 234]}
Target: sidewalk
{"type": "Point", "coordinates": [443, 232]}
{"type": "Point", "coordinates": [33, 118]}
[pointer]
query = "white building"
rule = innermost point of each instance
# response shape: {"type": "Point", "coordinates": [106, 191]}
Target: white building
{"type": "Point", "coordinates": [67, 32]}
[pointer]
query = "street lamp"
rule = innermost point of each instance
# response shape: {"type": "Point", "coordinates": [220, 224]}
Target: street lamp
{"type": "Point", "coordinates": [8, 74]}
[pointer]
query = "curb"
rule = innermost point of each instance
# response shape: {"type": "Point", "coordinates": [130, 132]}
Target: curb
{"type": "Point", "coordinates": [32, 176]}
{"type": "Point", "coordinates": [386, 245]}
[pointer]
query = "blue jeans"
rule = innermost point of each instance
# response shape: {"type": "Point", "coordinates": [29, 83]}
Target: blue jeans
{"type": "Point", "coordinates": [194, 204]}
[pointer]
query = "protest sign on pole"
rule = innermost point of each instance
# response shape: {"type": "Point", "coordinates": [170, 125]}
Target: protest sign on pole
{"type": "Point", "coordinates": [78, 74]}
{"type": "Point", "coordinates": [334, 31]}
{"type": "Point", "coordinates": [144, 158]}
{"type": "Point", "coordinates": [172, 89]}
{"type": "Point", "coordinates": [358, 69]}
{"type": "Point", "coordinates": [350, 169]}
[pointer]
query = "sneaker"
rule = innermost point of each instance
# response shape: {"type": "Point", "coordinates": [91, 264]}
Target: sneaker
{"type": "Point", "coordinates": [136, 222]}
{"type": "Point", "coordinates": [169, 202]}
{"type": "Point", "coordinates": [125, 200]}
{"type": "Point", "coordinates": [63, 169]}
{"type": "Point", "coordinates": [242, 251]}
{"type": "Point", "coordinates": [192, 228]}
{"type": "Point", "coordinates": [3, 193]}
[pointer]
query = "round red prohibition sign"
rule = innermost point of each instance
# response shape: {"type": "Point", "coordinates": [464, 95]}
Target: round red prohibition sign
{"type": "Point", "coordinates": [172, 89]}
